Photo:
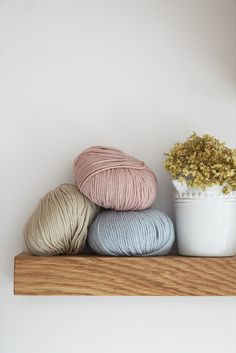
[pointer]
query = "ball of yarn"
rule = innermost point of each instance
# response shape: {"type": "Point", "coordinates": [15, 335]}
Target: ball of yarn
{"type": "Point", "coordinates": [144, 233]}
{"type": "Point", "coordinates": [112, 179]}
{"type": "Point", "coordinates": [59, 223]}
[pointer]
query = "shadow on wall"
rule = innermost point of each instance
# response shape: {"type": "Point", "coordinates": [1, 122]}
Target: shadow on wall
{"type": "Point", "coordinates": [202, 29]}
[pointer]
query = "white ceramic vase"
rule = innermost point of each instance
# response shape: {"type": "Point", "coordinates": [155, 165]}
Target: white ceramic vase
{"type": "Point", "coordinates": [205, 222]}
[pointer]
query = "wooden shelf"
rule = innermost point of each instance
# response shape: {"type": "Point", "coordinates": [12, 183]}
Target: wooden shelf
{"type": "Point", "coordinates": [100, 275]}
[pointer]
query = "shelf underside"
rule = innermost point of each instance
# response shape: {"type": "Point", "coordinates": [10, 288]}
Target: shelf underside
{"type": "Point", "coordinates": [100, 275]}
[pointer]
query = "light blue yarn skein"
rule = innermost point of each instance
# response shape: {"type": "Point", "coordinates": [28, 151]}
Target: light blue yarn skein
{"type": "Point", "coordinates": [131, 233]}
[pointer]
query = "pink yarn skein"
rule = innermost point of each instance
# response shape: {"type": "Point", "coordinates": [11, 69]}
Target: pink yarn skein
{"type": "Point", "coordinates": [112, 179]}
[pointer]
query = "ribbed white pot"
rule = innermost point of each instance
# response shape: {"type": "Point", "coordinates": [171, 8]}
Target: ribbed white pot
{"type": "Point", "coordinates": [205, 224]}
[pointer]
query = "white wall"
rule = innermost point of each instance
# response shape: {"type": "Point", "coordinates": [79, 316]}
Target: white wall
{"type": "Point", "coordinates": [138, 75]}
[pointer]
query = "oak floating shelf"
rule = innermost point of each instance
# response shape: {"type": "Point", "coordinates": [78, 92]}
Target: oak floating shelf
{"type": "Point", "coordinates": [100, 275]}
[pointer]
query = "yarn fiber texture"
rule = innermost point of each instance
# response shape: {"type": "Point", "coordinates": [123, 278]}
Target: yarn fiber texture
{"type": "Point", "coordinates": [137, 233]}
{"type": "Point", "coordinates": [112, 179]}
{"type": "Point", "coordinates": [59, 223]}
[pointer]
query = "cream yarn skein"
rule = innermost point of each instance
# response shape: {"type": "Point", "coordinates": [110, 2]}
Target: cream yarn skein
{"type": "Point", "coordinates": [59, 223]}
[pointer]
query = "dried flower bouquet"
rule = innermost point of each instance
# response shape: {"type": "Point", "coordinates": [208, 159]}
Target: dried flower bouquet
{"type": "Point", "coordinates": [201, 162]}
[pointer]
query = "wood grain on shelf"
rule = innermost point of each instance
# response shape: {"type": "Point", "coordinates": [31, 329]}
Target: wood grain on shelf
{"type": "Point", "coordinates": [99, 275]}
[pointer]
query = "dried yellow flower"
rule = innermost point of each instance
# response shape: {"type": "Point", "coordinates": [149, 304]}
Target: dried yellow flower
{"type": "Point", "coordinates": [203, 161]}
